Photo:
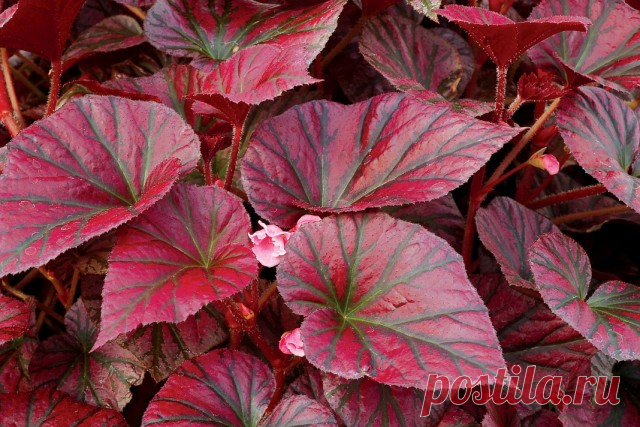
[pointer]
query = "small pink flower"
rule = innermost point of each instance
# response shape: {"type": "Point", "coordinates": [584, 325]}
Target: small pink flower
{"type": "Point", "coordinates": [268, 244]}
{"type": "Point", "coordinates": [547, 162]}
{"type": "Point", "coordinates": [305, 219]}
{"type": "Point", "coordinates": [291, 343]}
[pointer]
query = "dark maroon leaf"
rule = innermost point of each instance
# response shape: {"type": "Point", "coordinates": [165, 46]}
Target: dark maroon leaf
{"type": "Point", "coordinates": [113, 33]}
{"type": "Point", "coordinates": [374, 290]}
{"type": "Point", "coordinates": [308, 384]}
{"type": "Point", "coordinates": [93, 165]}
{"type": "Point", "coordinates": [214, 31]}
{"type": "Point", "coordinates": [428, 7]}
{"type": "Point", "coordinates": [16, 317]}
{"type": "Point", "coordinates": [15, 357]}
{"type": "Point", "coordinates": [390, 150]}
{"type": "Point", "coordinates": [91, 257]}
{"type": "Point", "coordinates": [51, 408]}
{"type": "Point", "coordinates": [41, 27]}
{"type": "Point", "coordinates": [503, 39]}
{"type": "Point", "coordinates": [191, 248]}
{"type": "Point", "coordinates": [410, 56]}
{"type": "Point", "coordinates": [101, 377]}
{"type": "Point", "coordinates": [508, 229]}
{"type": "Point", "coordinates": [299, 411]}
{"type": "Point", "coordinates": [603, 135]}
{"type": "Point", "coordinates": [164, 346]}
{"type": "Point", "coordinates": [608, 318]}
{"type": "Point", "coordinates": [609, 52]}
{"type": "Point", "coordinates": [225, 387]}
{"type": "Point", "coordinates": [464, 50]}
{"type": "Point", "coordinates": [374, 7]}
{"type": "Point", "coordinates": [365, 402]}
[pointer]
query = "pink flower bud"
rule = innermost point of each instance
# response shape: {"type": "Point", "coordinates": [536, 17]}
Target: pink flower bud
{"type": "Point", "coordinates": [305, 219]}
{"type": "Point", "coordinates": [547, 162]}
{"type": "Point", "coordinates": [268, 244]}
{"type": "Point", "coordinates": [246, 312]}
{"type": "Point", "coordinates": [291, 343]}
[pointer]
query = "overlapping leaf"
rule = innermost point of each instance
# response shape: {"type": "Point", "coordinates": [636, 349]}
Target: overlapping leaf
{"type": "Point", "coordinates": [389, 150]}
{"type": "Point", "coordinates": [604, 135]}
{"type": "Point", "coordinates": [16, 317]}
{"type": "Point", "coordinates": [609, 52]}
{"type": "Point", "coordinates": [226, 387]}
{"type": "Point", "coordinates": [114, 33]}
{"type": "Point", "coordinates": [101, 377]}
{"type": "Point", "coordinates": [49, 408]}
{"type": "Point", "coordinates": [212, 31]}
{"type": "Point", "coordinates": [410, 56]}
{"type": "Point", "coordinates": [377, 296]}
{"type": "Point", "coordinates": [428, 7]}
{"type": "Point", "coordinates": [609, 317]}
{"type": "Point", "coordinates": [508, 229]}
{"type": "Point", "coordinates": [15, 357]}
{"type": "Point", "coordinates": [94, 164]}
{"type": "Point", "coordinates": [299, 411]}
{"type": "Point", "coordinates": [191, 248]}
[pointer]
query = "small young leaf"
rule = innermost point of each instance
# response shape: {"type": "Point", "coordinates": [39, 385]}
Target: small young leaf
{"type": "Point", "coordinates": [609, 318]}
{"type": "Point", "coordinates": [427, 7]}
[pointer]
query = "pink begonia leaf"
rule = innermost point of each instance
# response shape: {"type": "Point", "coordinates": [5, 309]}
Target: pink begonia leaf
{"type": "Point", "coordinates": [259, 73]}
{"type": "Point", "coordinates": [608, 53]}
{"type": "Point", "coordinates": [94, 164]}
{"type": "Point", "coordinates": [268, 244]}
{"type": "Point", "coordinates": [469, 107]}
{"type": "Point", "coordinates": [603, 134]}
{"type": "Point", "coordinates": [15, 357]}
{"type": "Point", "coordinates": [503, 39]}
{"type": "Point", "coordinates": [390, 150]}
{"type": "Point", "coordinates": [16, 318]}
{"type": "Point", "coordinates": [164, 346]}
{"type": "Point", "coordinates": [539, 86]}
{"type": "Point", "coordinates": [214, 31]}
{"type": "Point", "coordinates": [531, 335]}
{"type": "Point", "coordinates": [188, 250]}
{"type": "Point", "coordinates": [508, 229]}
{"type": "Point", "coordinates": [52, 408]}
{"type": "Point", "coordinates": [41, 27]}
{"type": "Point", "coordinates": [608, 318]}
{"type": "Point", "coordinates": [365, 402]}
{"type": "Point", "coordinates": [427, 7]}
{"type": "Point", "coordinates": [375, 289]}
{"type": "Point", "coordinates": [291, 343]}
{"type": "Point", "coordinates": [410, 56]}
{"type": "Point", "coordinates": [101, 377]}
{"type": "Point", "coordinates": [113, 33]}
{"type": "Point", "coordinates": [299, 411]}
{"type": "Point", "coordinates": [225, 387]}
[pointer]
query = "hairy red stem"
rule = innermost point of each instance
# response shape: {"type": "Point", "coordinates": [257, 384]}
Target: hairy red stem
{"type": "Point", "coordinates": [579, 193]}
{"type": "Point", "coordinates": [54, 87]}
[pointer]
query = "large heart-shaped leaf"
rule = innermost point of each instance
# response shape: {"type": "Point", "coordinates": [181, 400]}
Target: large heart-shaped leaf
{"type": "Point", "coordinates": [225, 387]}
{"type": "Point", "coordinates": [51, 408]}
{"type": "Point", "coordinates": [609, 52]}
{"type": "Point", "coordinates": [100, 377]}
{"type": "Point", "coordinates": [604, 135]}
{"type": "Point", "coordinates": [114, 33]}
{"type": "Point", "coordinates": [212, 31]}
{"type": "Point", "coordinates": [374, 290]}
{"type": "Point", "coordinates": [16, 317]}
{"type": "Point", "coordinates": [410, 56]}
{"type": "Point", "coordinates": [191, 248]}
{"type": "Point", "coordinates": [94, 164]}
{"type": "Point", "coordinates": [508, 229]}
{"type": "Point", "coordinates": [41, 27]}
{"type": "Point", "coordinates": [387, 151]}
{"type": "Point", "coordinates": [365, 402]}
{"type": "Point", "coordinates": [609, 318]}
{"type": "Point", "coordinates": [297, 411]}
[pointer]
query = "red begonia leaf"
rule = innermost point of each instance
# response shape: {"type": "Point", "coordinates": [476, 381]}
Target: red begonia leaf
{"type": "Point", "coordinates": [299, 411]}
{"type": "Point", "coordinates": [101, 377]}
{"type": "Point", "coordinates": [258, 73]}
{"type": "Point", "coordinates": [365, 402]}
{"type": "Point", "coordinates": [531, 335]}
{"type": "Point", "coordinates": [410, 56]}
{"type": "Point", "coordinates": [376, 293]}
{"type": "Point", "coordinates": [427, 7]}
{"type": "Point", "coordinates": [503, 39]}
{"type": "Point", "coordinates": [464, 51]}
{"type": "Point", "coordinates": [15, 357]}
{"type": "Point", "coordinates": [609, 52]}
{"type": "Point", "coordinates": [16, 318]}
{"type": "Point", "coordinates": [226, 387]}
{"type": "Point", "coordinates": [625, 413]}
{"type": "Point", "coordinates": [387, 151]}
{"type": "Point", "coordinates": [213, 31]}
{"type": "Point", "coordinates": [609, 317]}
{"type": "Point", "coordinates": [469, 107]}
{"type": "Point", "coordinates": [189, 249]}
{"type": "Point", "coordinates": [539, 86]}
{"type": "Point", "coordinates": [604, 135]}
{"type": "Point", "coordinates": [508, 229]}
{"type": "Point", "coordinates": [91, 166]}
{"type": "Point", "coordinates": [114, 33]}
{"type": "Point", "coordinates": [309, 384]}
{"type": "Point", "coordinates": [164, 346]}
{"type": "Point", "coordinates": [90, 258]}
{"type": "Point", "coordinates": [374, 7]}
{"type": "Point", "coordinates": [41, 27]}
{"type": "Point", "coordinates": [51, 408]}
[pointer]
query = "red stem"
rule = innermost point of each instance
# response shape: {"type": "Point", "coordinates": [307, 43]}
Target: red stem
{"type": "Point", "coordinates": [491, 184]}
{"type": "Point", "coordinates": [501, 90]}
{"type": "Point", "coordinates": [208, 173]}
{"type": "Point", "coordinates": [235, 148]}
{"type": "Point", "coordinates": [579, 193]}
{"type": "Point", "coordinates": [277, 394]}
{"type": "Point", "coordinates": [6, 111]}
{"type": "Point", "coordinates": [54, 87]}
